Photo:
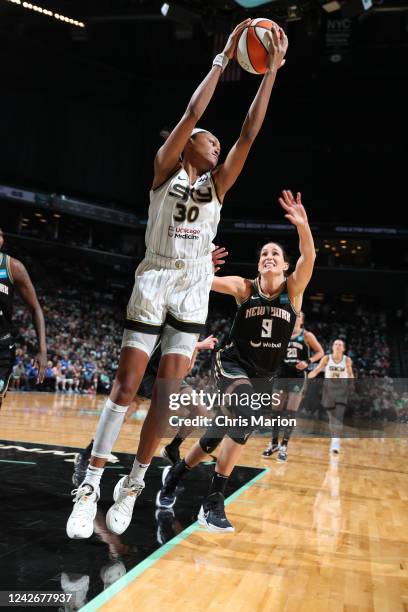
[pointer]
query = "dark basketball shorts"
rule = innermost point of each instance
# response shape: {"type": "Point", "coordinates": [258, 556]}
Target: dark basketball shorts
{"type": "Point", "coordinates": [227, 368]}
{"type": "Point", "coordinates": [335, 392]}
{"type": "Point", "coordinates": [7, 360]}
{"type": "Point", "coordinates": [146, 386]}
{"type": "Point", "coordinates": [291, 381]}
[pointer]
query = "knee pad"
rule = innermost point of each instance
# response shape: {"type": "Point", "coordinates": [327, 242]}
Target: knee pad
{"type": "Point", "coordinates": [241, 408]}
{"type": "Point", "coordinates": [208, 444]}
{"type": "Point", "coordinates": [139, 340]}
{"type": "Point", "coordinates": [179, 342]}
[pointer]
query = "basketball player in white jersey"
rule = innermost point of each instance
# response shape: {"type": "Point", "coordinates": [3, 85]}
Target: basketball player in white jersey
{"type": "Point", "coordinates": [172, 283]}
{"type": "Point", "coordinates": [337, 367]}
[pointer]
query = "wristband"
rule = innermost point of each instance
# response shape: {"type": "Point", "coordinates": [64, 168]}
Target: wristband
{"type": "Point", "coordinates": [221, 60]}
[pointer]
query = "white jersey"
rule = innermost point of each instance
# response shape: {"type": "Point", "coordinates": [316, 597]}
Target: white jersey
{"type": "Point", "coordinates": [183, 218]}
{"type": "Point", "coordinates": [336, 370]}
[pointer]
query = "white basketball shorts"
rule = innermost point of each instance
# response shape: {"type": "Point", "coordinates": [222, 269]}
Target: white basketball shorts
{"type": "Point", "coordinates": [170, 291]}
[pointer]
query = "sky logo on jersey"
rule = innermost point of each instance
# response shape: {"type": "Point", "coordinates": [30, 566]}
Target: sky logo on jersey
{"type": "Point", "coordinates": [3, 274]}
{"type": "Point", "coordinates": [283, 299]}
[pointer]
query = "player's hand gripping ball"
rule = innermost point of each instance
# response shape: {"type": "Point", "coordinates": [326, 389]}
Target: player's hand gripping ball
{"type": "Point", "coordinates": [261, 44]}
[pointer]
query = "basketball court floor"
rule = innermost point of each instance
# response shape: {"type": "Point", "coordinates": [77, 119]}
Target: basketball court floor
{"type": "Point", "coordinates": [318, 533]}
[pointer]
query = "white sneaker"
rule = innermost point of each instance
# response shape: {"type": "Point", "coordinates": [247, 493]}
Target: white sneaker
{"type": "Point", "coordinates": [335, 445]}
{"type": "Point", "coordinates": [77, 586]}
{"type": "Point", "coordinates": [120, 514]}
{"type": "Point", "coordinates": [80, 522]}
{"type": "Point", "coordinates": [111, 572]}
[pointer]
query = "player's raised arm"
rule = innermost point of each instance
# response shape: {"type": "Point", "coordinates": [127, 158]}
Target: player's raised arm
{"type": "Point", "coordinates": [27, 292]}
{"type": "Point", "coordinates": [226, 175]}
{"type": "Point", "coordinates": [168, 155]}
{"type": "Point", "coordinates": [296, 214]}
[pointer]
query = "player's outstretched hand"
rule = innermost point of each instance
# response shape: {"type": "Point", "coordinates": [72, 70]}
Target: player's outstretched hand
{"type": "Point", "coordinates": [278, 46]}
{"type": "Point", "coordinates": [218, 257]}
{"type": "Point", "coordinates": [40, 362]}
{"type": "Point", "coordinates": [231, 46]}
{"type": "Point", "coordinates": [208, 343]}
{"type": "Point", "coordinates": [295, 212]}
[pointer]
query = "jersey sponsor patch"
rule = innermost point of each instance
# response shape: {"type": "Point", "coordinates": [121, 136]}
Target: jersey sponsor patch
{"type": "Point", "coordinates": [3, 274]}
{"type": "Point", "coordinates": [283, 299]}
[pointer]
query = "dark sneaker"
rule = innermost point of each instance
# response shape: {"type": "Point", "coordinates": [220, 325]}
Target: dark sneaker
{"type": "Point", "coordinates": [171, 454]}
{"type": "Point", "coordinates": [167, 496]}
{"type": "Point", "coordinates": [81, 463]}
{"type": "Point", "coordinates": [283, 454]}
{"type": "Point", "coordinates": [212, 514]}
{"type": "Point", "coordinates": [166, 525]}
{"type": "Point", "coordinates": [270, 449]}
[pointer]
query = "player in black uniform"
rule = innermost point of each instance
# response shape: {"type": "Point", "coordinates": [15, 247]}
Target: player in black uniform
{"type": "Point", "coordinates": [13, 275]}
{"type": "Point", "coordinates": [171, 451]}
{"type": "Point", "coordinates": [291, 382]}
{"type": "Point", "coordinates": [263, 325]}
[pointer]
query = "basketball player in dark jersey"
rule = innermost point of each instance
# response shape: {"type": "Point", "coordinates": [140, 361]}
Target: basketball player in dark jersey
{"type": "Point", "coordinates": [263, 326]}
{"type": "Point", "coordinates": [13, 275]}
{"type": "Point", "coordinates": [171, 451]}
{"type": "Point", "coordinates": [292, 381]}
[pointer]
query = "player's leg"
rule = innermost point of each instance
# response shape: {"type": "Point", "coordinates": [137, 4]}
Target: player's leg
{"type": "Point", "coordinates": [134, 407]}
{"type": "Point", "coordinates": [132, 364]}
{"type": "Point", "coordinates": [336, 416]}
{"type": "Point", "coordinates": [185, 296]}
{"type": "Point", "coordinates": [172, 450]}
{"type": "Point", "coordinates": [209, 441]}
{"type": "Point", "coordinates": [277, 413]}
{"type": "Point", "coordinates": [212, 512]}
{"type": "Point", "coordinates": [81, 463]}
{"type": "Point", "coordinates": [292, 406]}
{"type": "Point", "coordinates": [145, 315]}
{"type": "Point", "coordinates": [7, 359]}
{"type": "Point", "coordinates": [172, 369]}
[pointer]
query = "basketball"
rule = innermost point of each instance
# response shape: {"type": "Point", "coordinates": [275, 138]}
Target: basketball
{"type": "Point", "coordinates": [253, 46]}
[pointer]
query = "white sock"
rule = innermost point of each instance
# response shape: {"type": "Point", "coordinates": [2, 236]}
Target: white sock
{"type": "Point", "coordinates": [93, 477]}
{"type": "Point", "coordinates": [138, 471]}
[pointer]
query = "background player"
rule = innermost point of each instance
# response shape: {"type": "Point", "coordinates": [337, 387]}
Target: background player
{"type": "Point", "coordinates": [262, 328]}
{"type": "Point", "coordinates": [172, 283]}
{"type": "Point", "coordinates": [13, 275]}
{"type": "Point", "coordinates": [291, 382]}
{"type": "Point", "coordinates": [337, 367]}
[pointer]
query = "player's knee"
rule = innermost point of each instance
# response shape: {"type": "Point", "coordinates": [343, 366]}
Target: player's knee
{"type": "Point", "coordinates": [241, 436]}
{"type": "Point", "coordinates": [240, 402]}
{"type": "Point", "coordinates": [124, 390]}
{"type": "Point", "coordinates": [209, 444]}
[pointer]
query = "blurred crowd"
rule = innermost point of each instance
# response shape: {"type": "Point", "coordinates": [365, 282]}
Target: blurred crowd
{"type": "Point", "coordinates": [83, 336]}
{"type": "Point", "coordinates": [84, 331]}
